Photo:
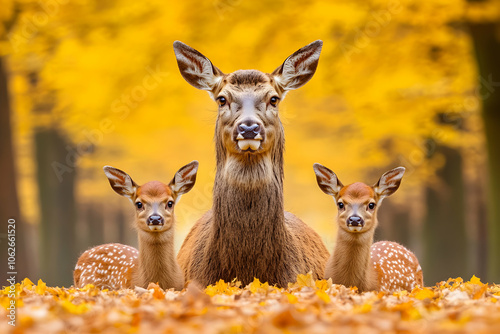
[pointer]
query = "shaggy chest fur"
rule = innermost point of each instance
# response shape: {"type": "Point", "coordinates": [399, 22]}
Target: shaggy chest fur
{"type": "Point", "coordinates": [248, 237]}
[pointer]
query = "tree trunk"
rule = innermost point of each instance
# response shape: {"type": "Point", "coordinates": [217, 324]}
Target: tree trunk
{"type": "Point", "coordinates": [122, 227]}
{"type": "Point", "coordinates": [9, 205]}
{"type": "Point", "coordinates": [58, 253]}
{"type": "Point", "coordinates": [444, 230]}
{"type": "Point", "coordinates": [394, 223]}
{"type": "Point", "coordinates": [95, 228]}
{"type": "Point", "coordinates": [487, 46]}
{"type": "Point", "coordinates": [475, 172]}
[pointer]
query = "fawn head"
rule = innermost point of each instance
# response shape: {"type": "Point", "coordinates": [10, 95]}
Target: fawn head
{"type": "Point", "coordinates": [154, 201]}
{"type": "Point", "coordinates": [248, 121]}
{"type": "Point", "coordinates": [357, 203]}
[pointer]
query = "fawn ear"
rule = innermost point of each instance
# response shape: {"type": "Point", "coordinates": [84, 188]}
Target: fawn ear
{"type": "Point", "coordinates": [197, 69]}
{"type": "Point", "coordinates": [299, 68]}
{"type": "Point", "coordinates": [184, 179]}
{"type": "Point", "coordinates": [389, 182]}
{"type": "Point", "coordinates": [327, 180]}
{"type": "Point", "coordinates": [120, 181]}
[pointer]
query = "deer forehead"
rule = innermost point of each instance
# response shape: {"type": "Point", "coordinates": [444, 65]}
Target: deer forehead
{"type": "Point", "coordinates": [248, 78]}
{"type": "Point", "coordinates": [154, 191]}
{"type": "Point", "coordinates": [357, 193]}
{"type": "Point", "coordinates": [245, 81]}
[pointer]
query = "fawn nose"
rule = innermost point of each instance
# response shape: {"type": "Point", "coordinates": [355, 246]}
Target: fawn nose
{"type": "Point", "coordinates": [155, 220]}
{"type": "Point", "coordinates": [249, 129]}
{"type": "Point", "coordinates": [355, 221]}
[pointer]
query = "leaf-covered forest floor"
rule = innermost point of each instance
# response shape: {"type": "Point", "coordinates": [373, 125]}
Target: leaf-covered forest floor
{"type": "Point", "coordinates": [306, 306]}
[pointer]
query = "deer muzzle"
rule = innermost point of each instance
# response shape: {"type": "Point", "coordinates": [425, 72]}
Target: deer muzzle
{"type": "Point", "coordinates": [155, 222]}
{"type": "Point", "coordinates": [249, 135]}
{"type": "Point", "coordinates": [355, 223]}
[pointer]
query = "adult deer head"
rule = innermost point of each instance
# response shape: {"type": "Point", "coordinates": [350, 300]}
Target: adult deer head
{"type": "Point", "coordinates": [248, 100]}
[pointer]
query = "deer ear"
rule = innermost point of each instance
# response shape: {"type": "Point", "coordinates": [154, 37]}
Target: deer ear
{"type": "Point", "coordinates": [389, 182]}
{"type": "Point", "coordinates": [299, 68]}
{"type": "Point", "coordinates": [197, 69]}
{"type": "Point", "coordinates": [184, 179]}
{"type": "Point", "coordinates": [120, 181]}
{"type": "Point", "coordinates": [327, 180]}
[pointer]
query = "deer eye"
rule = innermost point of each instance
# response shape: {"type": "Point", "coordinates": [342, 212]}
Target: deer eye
{"type": "Point", "coordinates": [222, 101]}
{"type": "Point", "coordinates": [274, 101]}
{"type": "Point", "coordinates": [371, 206]}
{"type": "Point", "coordinates": [138, 205]}
{"type": "Point", "coordinates": [340, 205]}
{"type": "Point", "coordinates": [170, 204]}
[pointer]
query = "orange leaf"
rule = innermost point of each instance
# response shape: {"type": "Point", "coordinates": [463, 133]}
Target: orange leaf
{"type": "Point", "coordinates": [27, 283]}
{"type": "Point", "coordinates": [305, 280]}
{"type": "Point", "coordinates": [324, 284]}
{"type": "Point", "coordinates": [292, 299]}
{"type": "Point", "coordinates": [424, 294]}
{"type": "Point", "coordinates": [323, 296]}
{"type": "Point", "coordinates": [480, 293]}
{"type": "Point", "coordinates": [365, 308]}
{"type": "Point", "coordinates": [41, 287]}
{"type": "Point", "coordinates": [475, 280]}
{"type": "Point", "coordinates": [158, 293]}
{"type": "Point", "coordinates": [75, 309]}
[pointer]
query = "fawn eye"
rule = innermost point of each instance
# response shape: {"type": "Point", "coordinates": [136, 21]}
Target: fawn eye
{"type": "Point", "coordinates": [371, 206]}
{"type": "Point", "coordinates": [138, 205]}
{"type": "Point", "coordinates": [222, 101]}
{"type": "Point", "coordinates": [274, 101]}
{"type": "Point", "coordinates": [170, 204]}
{"type": "Point", "coordinates": [340, 205]}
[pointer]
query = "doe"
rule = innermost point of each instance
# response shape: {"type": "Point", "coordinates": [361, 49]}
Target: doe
{"type": "Point", "coordinates": [248, 233]}
{"type": "Point", "coordinates": [115, 266]}
{"type": "Point", "coordinates": [356, 260]}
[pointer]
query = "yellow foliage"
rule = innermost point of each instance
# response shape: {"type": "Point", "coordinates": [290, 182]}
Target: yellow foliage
{"type": "Point", "coordinates": [422, 294]}
{"type": "Point", "coordinates": [364, 308]}
{"type": "Point", "coordinates": [222, 287]}
{"type": "Point", "coordinates": [292, 299]}
{"type": "Point", "coordinates": [323, 296]}
{"type": "Point", "coordinates": [158, 292]}
{"type": "Point", "coordinates": [475, 280]}
{"type": "Point", "coordinates": [27, 283]}
{"type": "Point", "coordinates": [257, 287]}
{"type": "Point", "coordinates": [4, 301]}
{"type": "Point", "coordinates": [480, 292]}
{"type": "Point", "coordinates": [304, 281]}
{"type": "Point", "coordinates": [495, 289]}
{"type": "Point", "coordinates": [88, 287]}
{"type": "Point", "coordinates": [324, 284]}
{"type": "Point", "coordinates": [41, 287]}
{"type": "Point", "coordinates": [400, 293]}
{"type": "Point", "coordinates": [408, 311]}
{"type": "Point", "coordinates": [231, 308]}
{"type": "Point", "coordinates": [386, 86]}
{"type": "Point", "coordinates": [68, 306]}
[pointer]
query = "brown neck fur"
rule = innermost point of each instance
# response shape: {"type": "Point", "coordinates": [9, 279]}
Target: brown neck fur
{"type": "Point", "coordinates": [249, 236]}
{"type": "Point", "coordinates": [157, 261]}
{"type": "Point", "coordinates": [350, 263]}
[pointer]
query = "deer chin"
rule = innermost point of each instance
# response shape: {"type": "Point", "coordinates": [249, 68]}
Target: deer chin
{"type": "Point", "coordinates": [249, 144]}
{"type": "Point", "coordinates": [156, 228]}
{"type": "Point", "coordinates": [355, 228]}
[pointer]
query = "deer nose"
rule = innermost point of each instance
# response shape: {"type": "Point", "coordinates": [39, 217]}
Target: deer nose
{"type": "Point", "coordinates": [355, 221]}
{"type": "Point", "coordinates": [155, 220]}
{"type": "Point", "coordinates": [249, 129]}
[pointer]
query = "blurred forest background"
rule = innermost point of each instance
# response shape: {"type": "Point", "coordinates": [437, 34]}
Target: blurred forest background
{"type": "Point", "coordinates": [88, 83]}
